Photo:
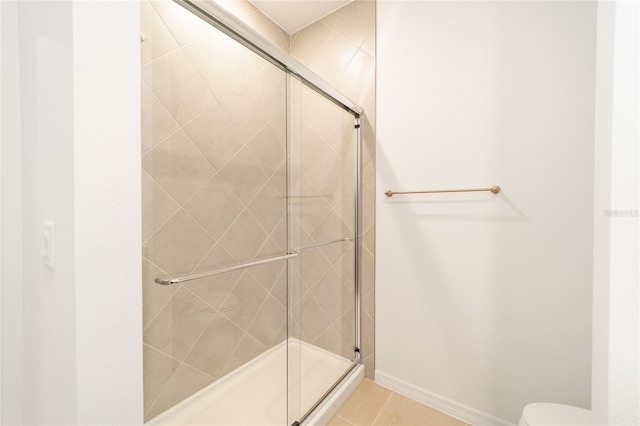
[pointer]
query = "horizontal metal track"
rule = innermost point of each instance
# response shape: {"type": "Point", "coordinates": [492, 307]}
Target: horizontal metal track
{"type": "Point", "coordinates": [226, 22]}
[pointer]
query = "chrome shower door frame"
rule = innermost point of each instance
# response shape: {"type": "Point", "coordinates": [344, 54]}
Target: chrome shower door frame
{"type": "Point", "coordinates": [224, 21]}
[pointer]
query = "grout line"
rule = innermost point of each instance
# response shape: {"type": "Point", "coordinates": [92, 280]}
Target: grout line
{"type": "Point", "coordinates": [383, 406]}
{"type": "Point", "coordinates": [353, 424]}
{"type": "Point", "coordinates": [161, 186]}
{"type": "Point", "coordinates": [315, 339]}
{"type": "Point", "coordinates": [207, 254]}
{"type": "Point", "coordinates": [218, 241]}
{"type": "Point", "coordinates": [167, 27]}
{"type": "Point", "coordinates": [205, 232]}
{"type": "Point", "coordinates": [368, 186]}
{"type": "Point", "coordinates": [322, 161]}
{"type": "Point", "coordinates": [257, 310]}
{"type": "Point", "coordinates": [202, 372]}
{"type": "Point", "coordinates": [324, 311]}
{"type": "Point", "coordinates": [181, 362]}
{"type": "Point", "coordinates": [272, 235]}
{"type": "Point", "coordinates": [307, 62]}
{"type": "Point", "coordinates": [170, 216]}
{"type": "Point", "coordinates": [231, 320]}
{"type": "Point", "coordinates": [234, 352]}
{"type": "Point", "coordinates": [367, 249]}
{"type": "Point", "coordinates": [153, 403]}
{"type": "Point", "coordinates": [144, 154]}
{"type": "Point", "coordinates": [215, 169]}
{"type": "Point", "coordinates": [254, 98]}
{"type": "Point", "coordinates": [153, 145]}
{"type": "Point", "coordinates": [266, 231]}
{"type": "Point", "coordinates": [195, 343]}
{"type": "Point", "coordinates": [182, 48]}
{"type": "Point", "coordinates": [161, 351]}
{"type": "Point", "coordinates": [345, 420]}
{"type": "Point", "coordinates": [164, 305]}
{"type": "Point", "coordinates": [271, 126]}
{"type": "Point", "coordinates": [217, 101]}
{"type": "Point", "coordinates": [181, 206]}
{"type": "Point", "coordinates": [216, 313]}
{"type": "Point", "coordinates": [244, 145]}
{"type": "Point", "coordinates": [273, 284]}
{"type": "Point", "coordinates": [207, 106]}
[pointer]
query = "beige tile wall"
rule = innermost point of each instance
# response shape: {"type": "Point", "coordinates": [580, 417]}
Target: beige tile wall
{"type": "Point", "coordinates": [253, 17]}
{"type": "Point", "coordinates": [215, 198]}
{"type": "Point", "coordinates": [323, 171]}
{"type": "Point", "coordinates": [214, 182]}
{"type": "Point", "coordinates": [340, 48]}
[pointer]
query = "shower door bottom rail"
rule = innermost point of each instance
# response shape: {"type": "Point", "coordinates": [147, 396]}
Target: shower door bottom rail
{"type": "Point", "coordinates": [170, 281]}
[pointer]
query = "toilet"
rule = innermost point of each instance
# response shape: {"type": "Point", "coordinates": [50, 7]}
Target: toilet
{"type": "Point", "coordinates": [544, 413]}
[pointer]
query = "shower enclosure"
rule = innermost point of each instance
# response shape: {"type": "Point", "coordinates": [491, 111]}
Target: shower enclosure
{"type": "Point", "coordinates": [250, 225]}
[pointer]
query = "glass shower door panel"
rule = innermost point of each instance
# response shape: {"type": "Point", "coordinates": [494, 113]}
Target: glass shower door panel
{"type": "Point", "coordinates": [214, 197]}
{"type": "Point", "coordinates": [325, 202]}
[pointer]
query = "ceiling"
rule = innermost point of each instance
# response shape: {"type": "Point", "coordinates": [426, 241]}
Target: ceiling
{"type": "Point", "coordinates": [294, 15]}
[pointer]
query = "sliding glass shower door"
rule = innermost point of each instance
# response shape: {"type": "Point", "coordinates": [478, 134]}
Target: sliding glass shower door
{"type": "Point", "coordinates": [249, 229]}
{"type": "Point", "coordinates": [322, 229]}
{"type": "Point", "coordinates": [214, 204]}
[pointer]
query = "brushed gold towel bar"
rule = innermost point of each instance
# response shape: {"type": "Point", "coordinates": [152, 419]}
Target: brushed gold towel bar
{"type": "Point", "coordinates": [493, 190]}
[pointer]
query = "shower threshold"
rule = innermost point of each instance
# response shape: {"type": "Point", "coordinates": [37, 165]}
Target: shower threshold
{"type": "Point", "coordinates": [256, 393]}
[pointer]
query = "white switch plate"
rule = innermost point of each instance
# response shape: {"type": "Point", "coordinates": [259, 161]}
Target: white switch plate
{"type": "Point", "coordinates": [48, 255]}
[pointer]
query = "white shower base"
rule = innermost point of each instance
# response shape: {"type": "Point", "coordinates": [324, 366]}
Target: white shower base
{"type": "Point", "coordinates": [256, 393]}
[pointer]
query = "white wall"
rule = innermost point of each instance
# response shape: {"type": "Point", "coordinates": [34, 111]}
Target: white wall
{"type": "Point", "coordinates": [616, 322]}
{"type": "Point", "coordinates": [624, 276]}
{"type": "Point", "coordinates": [79, 151]}
{"type": "Point", "coordinates": [485, 301]}
{"type": "Point", "coordinates": [47, 172]}
{"type": "Point", "coordinates": [11, 219]}
{"type": "Point", "coordinates": [107, 211]}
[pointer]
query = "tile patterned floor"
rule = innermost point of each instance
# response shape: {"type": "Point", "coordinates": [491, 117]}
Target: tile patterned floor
{"type": "Point", "coordinates": [371, 404]}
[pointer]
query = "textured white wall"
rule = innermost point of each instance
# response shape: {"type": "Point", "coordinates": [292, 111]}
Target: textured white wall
{"type": "Point", "coordinates": [624, 301]}
{"type": "Point", "coordinates": [107, 238]}
{"type": "Point", "coordinates": [11, 192]}
{"type": "Point", "coordinates": [46, 85]}
{"type": "Point", "coordinates": [79, 149]}
{"type": "Point", "coordinates": [485, 300]}
{"type": "Point", "coordinates": [616, 323]}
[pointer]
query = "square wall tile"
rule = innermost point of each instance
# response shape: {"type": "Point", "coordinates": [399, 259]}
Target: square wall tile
{"type": "Point", "coordinates": [159, 40]}
{"type": "Point", "coordinates": [214, 135]}
{"type": "Point", "coordinates": [177, 327]}
{"type": "Point", "coordinates": [177, 84]}
{"type": "Point", "coordinates": [157, 123]}
{"type": "Point", "coordinates": [184, 25]}
{"type": "Point", "coordinates": [185, 382]}
{"type": "Point", "coordinates": [178, 166]}
{"type": "Point", "coordinates": [179, 245]}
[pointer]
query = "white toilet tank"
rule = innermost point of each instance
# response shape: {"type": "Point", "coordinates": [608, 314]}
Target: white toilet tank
{"type": "Point", "coordinates": [547, 414]}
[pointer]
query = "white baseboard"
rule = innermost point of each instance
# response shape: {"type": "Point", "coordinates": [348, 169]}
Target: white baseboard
{"type": "Point", "coordinates": [447, 406]}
